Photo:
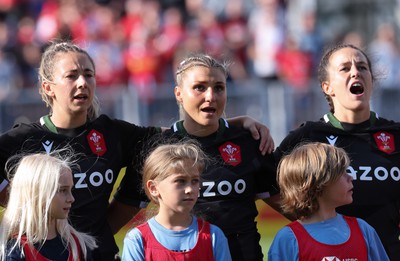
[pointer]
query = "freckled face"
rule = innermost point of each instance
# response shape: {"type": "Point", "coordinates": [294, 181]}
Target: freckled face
{"type": "Point", "coordinates": [203, 97]}
{"type": "Point", "coordinates": [350, 81]}
{"type": "Point", "coordinates": [74, 83]}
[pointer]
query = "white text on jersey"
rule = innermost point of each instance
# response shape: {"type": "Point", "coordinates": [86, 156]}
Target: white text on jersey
{"type": "Point", "coordinates": [366, 173]}
{"type": "Point", "coordinates": [96, 179]}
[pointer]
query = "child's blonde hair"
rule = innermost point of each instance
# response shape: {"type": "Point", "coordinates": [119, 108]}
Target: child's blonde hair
{"type": "Point", "coordinates": [166, 159]}
{"type": "Point", "coordinates": [33, 187]}
{"type": "Point", "coordinates": [305, 172]}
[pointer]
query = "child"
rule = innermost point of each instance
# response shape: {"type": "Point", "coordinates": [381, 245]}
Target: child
{"type": "Point", "coordinates": [313, 182]}
{"type": "Point", "coordinates": [171, 179]}
{"type": "Point", "coordinates": [35, 225]}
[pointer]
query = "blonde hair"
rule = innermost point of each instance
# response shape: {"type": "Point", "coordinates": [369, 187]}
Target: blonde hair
{"type": "Point", "coordinates": [304, 174]}
{"type": "Point", "coordinates": [165, 159]}
{"type": "Point", "coordinates": [33, 186]}
{"type": "Point", "coordinates": [193, 61]}
{"type": "Point", "coordinates": [46, 71]}
{"type": "Point", "coordinates": [199, 60]}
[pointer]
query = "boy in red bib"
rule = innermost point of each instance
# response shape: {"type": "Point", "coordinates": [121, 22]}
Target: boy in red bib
{"type": "Point", "coordinates": [313, 183]}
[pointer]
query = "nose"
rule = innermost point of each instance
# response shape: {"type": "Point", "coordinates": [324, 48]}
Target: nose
{"type": "Point", "coordinates": [70, 198]}
{"type": "Point", "coordinates": [350, 178]}
{"type": "Point", "coordinates": [81, 81]}
{"type": "Point", "coordinates": [189, 189]}
{"type": "Point", "coordinates": [355, 73]}
{"type": "Point", "coordinates": [209, 94]}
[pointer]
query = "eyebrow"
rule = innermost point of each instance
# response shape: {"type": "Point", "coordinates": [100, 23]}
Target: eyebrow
{"type": "Point", "coordinates": [357, 62]}
{"type": "Point", "coordinates": [85, 70]}
{"type": "Point", "coordinates": [218, 82]}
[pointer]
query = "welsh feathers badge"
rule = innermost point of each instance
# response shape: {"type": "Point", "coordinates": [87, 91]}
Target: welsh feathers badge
{"type": "Point", "coordinates": [231, 153]}
{"type": "Point", "coordinates": [384, 141]}
{"type": "Point", "coordinates": [96, 142]}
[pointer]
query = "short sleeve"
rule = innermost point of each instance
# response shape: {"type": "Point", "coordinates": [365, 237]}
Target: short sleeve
{"type": "Point", "coordinates": [133, 246]}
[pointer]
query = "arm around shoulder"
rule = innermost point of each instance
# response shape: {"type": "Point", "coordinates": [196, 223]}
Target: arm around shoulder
{"type": "Point", "coordinates": [257, 130]}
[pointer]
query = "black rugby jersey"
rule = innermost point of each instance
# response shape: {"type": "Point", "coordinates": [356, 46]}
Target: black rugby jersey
{"type": "Point", "coordinates": [103, 147]}
{"type": "Point", "coordinates": [236, 176]}
{"type": "Point", "coordinates": [374, 149]}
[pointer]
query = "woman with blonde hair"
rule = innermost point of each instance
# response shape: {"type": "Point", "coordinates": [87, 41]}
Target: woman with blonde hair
{"type": "Point", "coordinates": [240, 174]}
{"type": "Point", "coordinates": [35, 223]}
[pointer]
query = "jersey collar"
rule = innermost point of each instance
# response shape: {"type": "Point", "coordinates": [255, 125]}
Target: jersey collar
{"type": "Point", "coordinates": [329, 117]}
{"type": "Point", "coordinates": [177, 127]}
{"type": "Point", "coordinates": [46, 121]}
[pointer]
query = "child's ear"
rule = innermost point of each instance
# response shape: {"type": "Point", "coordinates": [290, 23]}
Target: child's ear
{"type": "Point", "coordinates": [152, 187]}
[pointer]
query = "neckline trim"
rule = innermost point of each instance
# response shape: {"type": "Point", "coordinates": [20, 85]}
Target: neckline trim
{"type": "Point", "coordinates": [329, 117]}
{"type": "Point", "coordinates": [46, 121]}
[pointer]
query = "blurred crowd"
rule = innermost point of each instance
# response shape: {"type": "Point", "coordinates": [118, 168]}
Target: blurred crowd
{"type": "Point", "coordinates": [137, 43]}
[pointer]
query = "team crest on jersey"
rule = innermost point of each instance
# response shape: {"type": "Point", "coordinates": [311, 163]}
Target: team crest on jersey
{"type": "Point", "coordinates": [231, 153]}
{"type": "Point", "coordinates": [385, 141]}
{"type": "Point", "coordinates": [96, 142]}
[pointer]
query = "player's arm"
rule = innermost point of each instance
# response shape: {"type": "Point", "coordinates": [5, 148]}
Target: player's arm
{"type": "Point", "coordinates": [275, 203]}
{"type": "Point", "coordinates": [119, 214]}
{"type": "Point", "coordinates": [257, 130]}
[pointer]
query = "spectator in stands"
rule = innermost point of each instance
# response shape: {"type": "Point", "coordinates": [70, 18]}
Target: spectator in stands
{"type": "Point", "coordinates": [267, 29]}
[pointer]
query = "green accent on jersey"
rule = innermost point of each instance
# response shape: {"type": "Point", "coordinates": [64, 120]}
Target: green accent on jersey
{"type": "Point", "coordinates": [222, 126]}
{"type": "Point", "coordinates": [337, 124]}
{"type": "Point", "coordinates": [49, 124]}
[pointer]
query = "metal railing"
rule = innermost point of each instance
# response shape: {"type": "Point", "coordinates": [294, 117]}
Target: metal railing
{"type": "Point", "coordinates": [279, 107]}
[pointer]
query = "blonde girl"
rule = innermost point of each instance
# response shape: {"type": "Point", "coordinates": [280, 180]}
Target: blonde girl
{"type": "Point", "coordinates": [171, 179]}
{"type": "Point", "coordinates": [35, 223]}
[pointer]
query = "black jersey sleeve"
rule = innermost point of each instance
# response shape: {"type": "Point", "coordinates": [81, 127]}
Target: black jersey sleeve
{"type": "Point", "coordinates": [11, 142]}
{"type": "Point", "coordinates": [130, 189]}
{"type": "Point", "coordinates": [293, 139]}
{"type": "Point", "coordinates": [265, 179]}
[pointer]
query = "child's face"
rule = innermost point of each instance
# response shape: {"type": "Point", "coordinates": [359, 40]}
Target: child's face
{"type": "Point", "coordinates": [63, 199]}
{"type": "Point", "coordinates": [178, 192]}
{"type": "Point", "coordinates": [338, 193]}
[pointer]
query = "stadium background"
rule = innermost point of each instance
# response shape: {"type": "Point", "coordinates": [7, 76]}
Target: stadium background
{"type": "Point", "coordinates": [275, 100]}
